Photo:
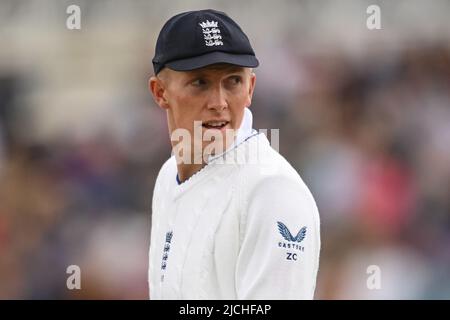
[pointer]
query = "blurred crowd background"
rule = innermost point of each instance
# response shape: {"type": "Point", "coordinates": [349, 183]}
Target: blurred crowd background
{"type": "Point", "coordinates": [364, 116]}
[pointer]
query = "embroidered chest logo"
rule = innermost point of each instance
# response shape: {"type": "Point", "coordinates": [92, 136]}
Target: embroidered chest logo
{"type": "Point", "coordinates": [211, 33]}
{"type": "Point", "coordinates": [291, 242]}
{"type": "Point", "coordinates": [166, 250]}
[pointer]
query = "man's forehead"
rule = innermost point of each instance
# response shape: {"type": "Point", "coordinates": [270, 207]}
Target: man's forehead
{"type": "Point", "coordinates": [220, 69]}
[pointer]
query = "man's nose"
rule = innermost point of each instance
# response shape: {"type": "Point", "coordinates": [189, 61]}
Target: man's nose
{"type": "Point", "coordinates": [217, 99]}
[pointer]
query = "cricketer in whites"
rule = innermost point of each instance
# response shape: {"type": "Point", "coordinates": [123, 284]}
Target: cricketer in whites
{"type": "Point", "coordinates": [232, 221]}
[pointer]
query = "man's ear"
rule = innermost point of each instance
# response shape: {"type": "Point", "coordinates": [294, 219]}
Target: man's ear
{"type": "Point", "coordinates": [251, 88]}
{"type": "Point", "coordinates": [157, 87]}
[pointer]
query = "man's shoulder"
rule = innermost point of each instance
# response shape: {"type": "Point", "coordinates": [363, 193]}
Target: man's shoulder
{"type": "Point", "coordinates": [272, 173]}
{"type": "Point", "coordinates": [276, 177]}
{"type": "Point", "coordinates": [274, 189]}
{"type": "Point", "coordinates": [268, 163]}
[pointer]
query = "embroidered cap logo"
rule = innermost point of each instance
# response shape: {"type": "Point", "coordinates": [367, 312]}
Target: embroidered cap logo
{"type": "Point", "coordinates": [211, 33]}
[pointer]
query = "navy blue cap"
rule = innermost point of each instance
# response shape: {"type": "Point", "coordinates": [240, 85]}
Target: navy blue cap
{"type": "Point", "coordinates": [195, 39]}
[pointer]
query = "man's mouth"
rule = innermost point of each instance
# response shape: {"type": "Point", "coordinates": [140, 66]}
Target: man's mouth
{"type": "Point", "coordinates": [215, 124]}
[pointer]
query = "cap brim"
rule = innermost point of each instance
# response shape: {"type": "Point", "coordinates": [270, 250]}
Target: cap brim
{"type": "Point", "coordinates": [242, 60]}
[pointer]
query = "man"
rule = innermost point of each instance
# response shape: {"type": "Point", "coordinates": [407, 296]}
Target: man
{"type": "Point", "coordinates": [231, 219]}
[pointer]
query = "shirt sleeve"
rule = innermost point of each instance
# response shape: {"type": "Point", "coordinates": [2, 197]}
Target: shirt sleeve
{"type": "Point", "coordinates": [279, 254]}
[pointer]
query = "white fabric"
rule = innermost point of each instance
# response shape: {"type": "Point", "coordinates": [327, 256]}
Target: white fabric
{"type": "Point", "coordinates": [246, 128]}
{"type": "Point", "coordinates": [225, 221]}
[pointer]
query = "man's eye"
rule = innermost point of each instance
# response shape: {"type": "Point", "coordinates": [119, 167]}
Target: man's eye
{"type": "Point", "coordinates": [198, 82]}
{"type": "Point", "coordinates": [236, 80]}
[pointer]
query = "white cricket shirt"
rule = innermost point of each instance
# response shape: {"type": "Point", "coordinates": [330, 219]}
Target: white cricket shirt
{"type": "Point", "coordinates": [243, 227]}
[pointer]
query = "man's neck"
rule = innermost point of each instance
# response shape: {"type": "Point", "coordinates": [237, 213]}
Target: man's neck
{"type": "Point", "coordinates": [185, 171]}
